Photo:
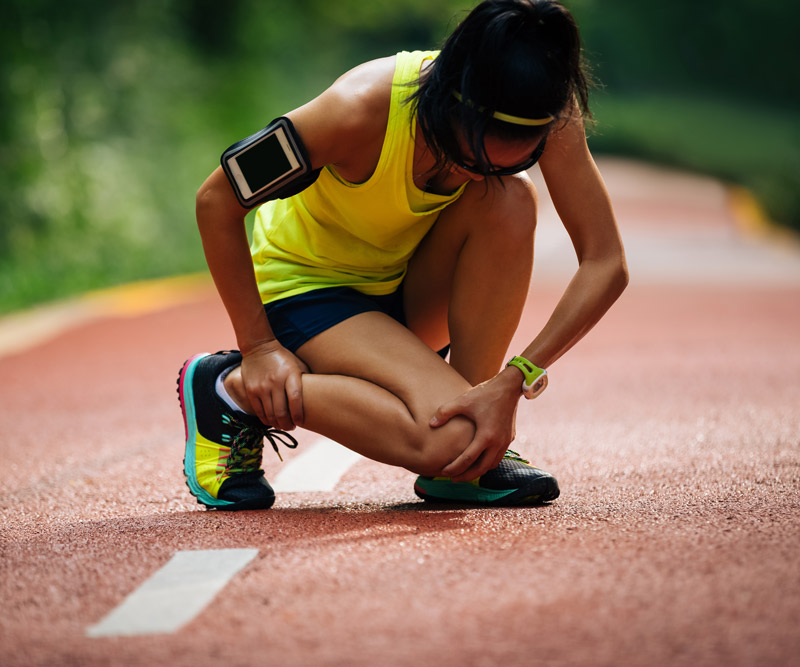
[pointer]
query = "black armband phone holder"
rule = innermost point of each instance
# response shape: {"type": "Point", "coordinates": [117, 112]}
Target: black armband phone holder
{"type": "Point", "coordinates": [271, 164]}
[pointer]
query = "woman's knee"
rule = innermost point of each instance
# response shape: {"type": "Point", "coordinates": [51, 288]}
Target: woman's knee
{"type": "Point", "coordinates": [513, 218]}
{"type": "Point", "coordinates": [434, 448]}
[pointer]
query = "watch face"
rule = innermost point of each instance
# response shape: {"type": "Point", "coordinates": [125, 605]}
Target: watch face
{"type": "Point", "coordinates": [538, 386]}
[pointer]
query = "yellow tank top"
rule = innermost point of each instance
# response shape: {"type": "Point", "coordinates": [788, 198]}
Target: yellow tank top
{"type": "Point", "coordinates": [337, 233]}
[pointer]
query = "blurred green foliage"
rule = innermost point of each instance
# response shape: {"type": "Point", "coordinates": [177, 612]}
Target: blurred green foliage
{"type": "Point", "coordinates": [112, 114]}
{"type": "Point", "coordinates": [710, 86]}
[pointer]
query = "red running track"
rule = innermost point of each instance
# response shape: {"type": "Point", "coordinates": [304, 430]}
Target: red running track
{"type": "Point", "coordinates": [674, 429]}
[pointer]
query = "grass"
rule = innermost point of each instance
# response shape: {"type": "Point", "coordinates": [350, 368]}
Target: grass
{"type": "Point", "coordinates": [134, 218]}
{"type": "Point", "coordinates": [755, 147]}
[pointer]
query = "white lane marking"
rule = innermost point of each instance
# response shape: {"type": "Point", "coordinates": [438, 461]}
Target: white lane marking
{"type": "Point", "coordinates": [175, 594]}
{"type": "Point", "coordinates": [318, 468]}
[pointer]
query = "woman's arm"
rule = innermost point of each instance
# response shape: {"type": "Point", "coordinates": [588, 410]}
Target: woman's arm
{"type": "Point", "coordinates": [266, 364]}
{"type": "Point", "coordinates": [583, 205]}
{"type": "Point", "coordinates": [343, 126]}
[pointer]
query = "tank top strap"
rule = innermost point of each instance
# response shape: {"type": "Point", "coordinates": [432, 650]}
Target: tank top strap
{"type": "Point", "coordinates": [397, 156]}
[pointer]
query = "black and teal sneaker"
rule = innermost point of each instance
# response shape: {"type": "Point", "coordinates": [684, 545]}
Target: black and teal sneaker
{"type": "Point", "coordinates": [514, 482]}
{"type": "Point", "coordinates": [222, 461]}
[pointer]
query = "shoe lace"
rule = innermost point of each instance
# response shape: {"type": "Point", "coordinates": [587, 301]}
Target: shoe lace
{"type": "Point", "coordinates": [247, 443]}
{"type": "Point", "coordinates": [514, 456]}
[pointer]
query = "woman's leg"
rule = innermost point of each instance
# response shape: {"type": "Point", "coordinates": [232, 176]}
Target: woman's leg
{"type": "Point", "coordinates": [374, 387]}
{"type": "Point", "coordinates": [468, 281]}
{"type": "Point", "coordinates": [375, 384]}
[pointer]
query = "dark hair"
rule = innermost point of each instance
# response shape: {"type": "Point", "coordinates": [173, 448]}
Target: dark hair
{"type": "Point", "coordinates": [517, 57]}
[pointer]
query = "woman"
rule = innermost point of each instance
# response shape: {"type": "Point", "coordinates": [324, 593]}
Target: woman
{"type": "Point", "coordinates": [417, 234]}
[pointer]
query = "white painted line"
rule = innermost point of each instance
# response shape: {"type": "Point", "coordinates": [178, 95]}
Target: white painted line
{"type": "Point", "coordinates": [318, 468]}
{"type": "Point", "coordinates": [175, 594]}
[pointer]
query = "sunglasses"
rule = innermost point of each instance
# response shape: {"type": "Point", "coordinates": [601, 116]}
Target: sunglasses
{"type": "Point", "coordinates": [504, 171]}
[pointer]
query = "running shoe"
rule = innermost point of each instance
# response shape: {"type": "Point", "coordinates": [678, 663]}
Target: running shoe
{"type": "Point", "coordinates": [514, 482]}
{"type": "Point", "coordinates": [224, 447]}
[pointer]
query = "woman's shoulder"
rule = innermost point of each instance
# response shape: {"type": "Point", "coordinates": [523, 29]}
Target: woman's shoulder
{"type": "Point", "coordinates": [365, 91]}
{"type": "Point", "coordinates": [351, 112]}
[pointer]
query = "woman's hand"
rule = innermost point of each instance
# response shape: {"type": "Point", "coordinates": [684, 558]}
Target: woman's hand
{"type": "Point", "coordinates": [271, 376]}
{"type": "Point", "coordinates": [492, 407]}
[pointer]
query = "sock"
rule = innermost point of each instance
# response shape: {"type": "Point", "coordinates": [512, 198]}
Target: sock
{"type": "Point", "coordinates": [223, 393]}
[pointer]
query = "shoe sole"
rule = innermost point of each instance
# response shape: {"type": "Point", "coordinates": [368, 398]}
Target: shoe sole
{"type": "Point", "coordinates": [466, 493]}
{"type": "Point", "coordinates": [186, 399]}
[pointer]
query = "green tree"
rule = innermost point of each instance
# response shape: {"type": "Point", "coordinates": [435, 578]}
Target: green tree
{"type": "Point", "coordinates": [111, 114]}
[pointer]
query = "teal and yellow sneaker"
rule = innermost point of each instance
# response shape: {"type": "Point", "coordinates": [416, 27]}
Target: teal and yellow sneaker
{"type": "Point", "coordinates": [514, 482]}
{"type": "Point", "coordinates": [224, 447]}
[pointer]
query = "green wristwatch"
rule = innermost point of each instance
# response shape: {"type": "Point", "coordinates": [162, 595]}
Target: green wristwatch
{"type": "Point", "coordinates": [535, 379]}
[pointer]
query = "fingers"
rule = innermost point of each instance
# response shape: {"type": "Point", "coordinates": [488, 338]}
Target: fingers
{"type": "Point", "coordinates": [276, 410]}
{"type": "Point", "coordinates": [294, 396]}
{"type": "Point", "coordinates": [282, 408]}
{"type": "Point", "coordinates": [482, 465]}
{"type": "Point", "coordinates": [491, 407]}
{"type": "Point", "coordinates": [472, 462]}
{"type": "Point", "coordinates": [458, 406]}
{"type": "Point", "coordinates": [443, 414]}
{"type": "Point", "coordinates": [485, 452]}
{"type": "Point", "coordinates": [462, 462]}
{"type": "Point", "coordinates": [499, 457]}
{"type": "Point", "coordinates": [258, 407]}
{"type": "Point", "coordinates": [287, 405]}
{"type": "Point", "coordinates": [274, 387]}
{"type": "Point", "coordinates": [281, 417]}
{"type": "Point", "coordinates": [489, 442]}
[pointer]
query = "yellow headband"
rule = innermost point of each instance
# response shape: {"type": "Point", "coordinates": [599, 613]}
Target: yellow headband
{"type": "Point", "coordinates": [508, 118]}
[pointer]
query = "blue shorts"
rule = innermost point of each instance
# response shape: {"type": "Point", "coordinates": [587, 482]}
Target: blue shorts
{"type": "Point", "coordinates": [297, 319]}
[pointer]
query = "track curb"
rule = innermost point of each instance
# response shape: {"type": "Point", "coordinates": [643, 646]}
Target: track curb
{"type": "Point", "coordinates": [25, 329]}
{"type": "Point", "coordinates": [752, 220]}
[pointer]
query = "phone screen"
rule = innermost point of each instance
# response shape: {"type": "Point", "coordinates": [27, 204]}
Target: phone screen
{"type": "Point", "coordinates": [264, 163]}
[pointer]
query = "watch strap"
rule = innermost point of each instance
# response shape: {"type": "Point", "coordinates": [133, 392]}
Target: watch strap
{"type": "Point", "coordinates": [535, 378]}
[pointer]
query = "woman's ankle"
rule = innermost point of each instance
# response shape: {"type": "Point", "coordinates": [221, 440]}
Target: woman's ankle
{"type": "Point", "coordinates": [233, 385]}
